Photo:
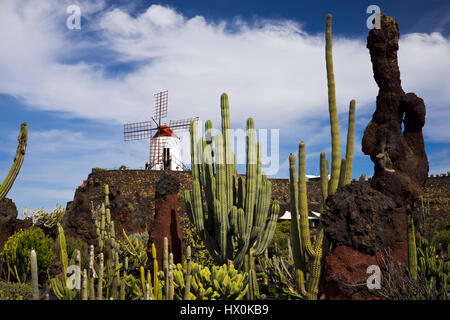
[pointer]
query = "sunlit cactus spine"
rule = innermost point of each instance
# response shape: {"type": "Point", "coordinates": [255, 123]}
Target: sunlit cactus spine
{"type": "Point", "coordinates": [307, 255]}
{"type": "Point", "coordinates": [84, 295]}
{"type": "Point", "coordinates": [187, 290]}
{"type": "Point", "coordinates": [59, 287]}
{"type": "Point", "coordinates": [34, 275]}
{"type": "Point", "coordinates": [350, 142]}
{"type": "Point", "coordinates": [339, 176]}
{"type": "Point", "coordinates": [237, 214]}
{"type": "Point", "coordinates": [323, 179]}
{"type": "Point", "coordinates": [334, 121]}
{"type": "Point", "coordinates": [412, 251]}
{"type": "Point", "coordinates": [18, 160]}
{"type": "Point", "coordinates": [100, 277]}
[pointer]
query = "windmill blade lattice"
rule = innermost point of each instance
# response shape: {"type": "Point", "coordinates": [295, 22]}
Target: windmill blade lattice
{"type": "Point", "coordinates": [160, 102]}
{"type": "Point", "coordinates": [181, 124]}
{"type": "Point", "coordinates": [138, 130]}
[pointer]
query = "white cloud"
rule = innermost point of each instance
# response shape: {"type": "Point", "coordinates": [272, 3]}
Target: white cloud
{"type": "Point", "coordinates": [272, 70]}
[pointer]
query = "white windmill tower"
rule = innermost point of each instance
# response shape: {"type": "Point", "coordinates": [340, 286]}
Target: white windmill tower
{"type": "Point", "coordinates": [165, 145]}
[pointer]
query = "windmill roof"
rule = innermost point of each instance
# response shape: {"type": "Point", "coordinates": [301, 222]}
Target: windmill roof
{"type": "Point", "coordinates": [165, 131]}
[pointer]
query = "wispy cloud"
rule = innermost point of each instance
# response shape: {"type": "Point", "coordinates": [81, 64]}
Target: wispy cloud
{"type": "Point", "coordinates": [272, 69]}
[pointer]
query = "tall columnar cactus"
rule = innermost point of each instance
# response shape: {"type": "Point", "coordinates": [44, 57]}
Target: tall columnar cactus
{"type": "Point", "coordinates": [237, 215]}
{"type": "Point", "coordinates": [337, 178]}
{"type": "Point", "coordinates": [109, 247]}
{"type": "Point", "coordinates": [18, 160]}
{"type": "Point", "coordinates": [334, 121]}
{"type": "Point", "coordinates": [307, 255]}
{"type": "Point", "coordinates": [350, 142]}
{"type": "Point", "coordinates": [59, 287]}
{"type": "Point", "coordinates": [323, 179]}
{"type": "Point", "coordinates": [187, 290]}
{"type": "Point", "coordinates": [34, 275]}
{"type": "Point", "coordinates": [412, 252]}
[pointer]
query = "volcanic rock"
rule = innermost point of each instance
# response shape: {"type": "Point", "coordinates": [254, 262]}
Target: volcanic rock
{"type": "Point", "coordinates": [166, 222]}
{"type": "Point", "coordinates": [9, 223]}
{"type": "Point", "coordinates": [363, 218]}
{"type": "Point", "coordinates": [401, 164]}
{"type": "Point", "coordinates": [131, 212]}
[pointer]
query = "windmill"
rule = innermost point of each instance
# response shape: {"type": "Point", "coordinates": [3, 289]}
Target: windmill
{"type": "Point", "coordinates": [165, 147]}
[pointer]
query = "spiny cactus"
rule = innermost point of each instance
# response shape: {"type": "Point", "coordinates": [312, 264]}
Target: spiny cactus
{"type": "Point", "coordinates": [435, 270]}
{"type": "Point", "coordinates": [224, 283]}
{"type": "Point", "coordinates": [412, 253]}
{"type": "Point", "coordinates": [350, 142]}
{"type": "Point", "coordinates": [34, 275]}
{"type": "Point", "coordinates": [18, 160]}
{"type": "Point", "coordinates": [17, 163]}
{"type": "Point", "coordinates": [237, 216]}
{"type": "Point", "coordinates": [334, 121]}
{"type": "Point", "coordinates": [59, 287]}
{"type": "Point", "coordinates": [307, 256]}
{"type": "Point", "coordinates": [336, 169]}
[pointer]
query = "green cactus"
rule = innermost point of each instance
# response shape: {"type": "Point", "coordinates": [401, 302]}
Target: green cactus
{"type": "Point", "coordinates": [187, 290]}
{"type": "Point", "coordinates": [34, 275]}
{"type": "Point", "coordinates": [219, 283]}
{"type": "Point", "coordinates": [350, 142]}
{"type": "Point", "coordinates": [18, 160]}
{"type": "Point", "coordinates": [59, 287]}
{"type": "Point", "coordinates": [323, 179]}
{"type": "Point", "coordinates": [334, 121]}
{"type": "Point", "coordinates": [339, 176]}
{"type": "Point", "coordinates": [412, 252]}
{"type": "Point", "coordinates": [84, 295]}
{"type": "Point", "coordinates": [435, 270]}
{"type": "Point", "coordinates": [237, 208]}
{"type": "Point", "coordinates": [100, 277]}
{"type": "Point", "coordinates": [109, 248]}
{"type": "Point", "coordinates": [307, 256]}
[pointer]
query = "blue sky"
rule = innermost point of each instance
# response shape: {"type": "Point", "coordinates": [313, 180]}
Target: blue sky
{"type": "Point", "coordinates": [76, 88]}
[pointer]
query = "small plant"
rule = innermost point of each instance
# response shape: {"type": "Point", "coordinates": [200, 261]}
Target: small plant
{"type": "Point", "coordinates": [43, 219]}
{"type": "Point", "coordinates": [123, 167]}
{"type": "Point", "coordinates": [97, 169]}
{"type": "Point", "coordinates": [443, 237]}
{"type": "Point", "coordinates": [16, 253]}
{"type": "Point", "coordinates": [15, 291]}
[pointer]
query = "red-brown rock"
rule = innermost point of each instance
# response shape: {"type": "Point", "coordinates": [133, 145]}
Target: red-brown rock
{"type": "Point", "coordinates": [166, 222]}
{"type": "Point", "coordinates": [9, 223]}
{"type": "Point", "coordinates": [346, 272]}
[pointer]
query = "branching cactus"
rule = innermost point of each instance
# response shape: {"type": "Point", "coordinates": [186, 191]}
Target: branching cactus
{"type": "Point", "coordinates": [307, 255]}
{"type": "Point", "coordinates": [18, 160]}
{"type": "Point", "coordinates": [237, 216]}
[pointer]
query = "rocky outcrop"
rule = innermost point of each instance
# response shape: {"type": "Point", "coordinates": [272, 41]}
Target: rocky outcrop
{"type": "Point", "coordinates": [166, 223]}
{"type": "Point", "coordinates": [401, 164]}
{"type": "Point", "coordinates": [131, 212]}
{"type": "Point", "coordinates": [9, 222]}
{"type": "Point", "coordinates": [365, 220]}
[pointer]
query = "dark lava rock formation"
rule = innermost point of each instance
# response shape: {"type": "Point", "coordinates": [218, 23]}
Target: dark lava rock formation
{"type": "Point", "coordinates": [401, 164]}
{"type": "Point", "coordinates": [9, 222]}
{"type": "Point", "coordinates": [361, 217]}
{"type": "Point", "coordinates": [166, 223]}
{"type": "Point", "coordinates": [364, 220]}
{"type": "Point", "coordinates": [129, 212]}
